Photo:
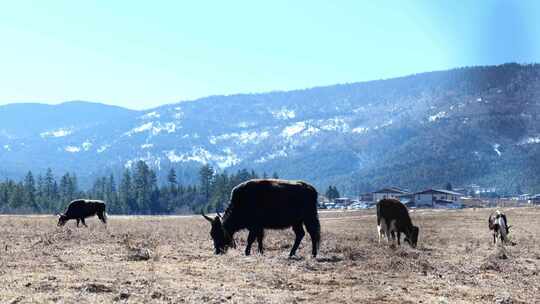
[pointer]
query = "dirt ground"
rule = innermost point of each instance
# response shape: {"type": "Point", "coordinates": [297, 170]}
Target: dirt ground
{"type": "Point", "coordinates": [171, 260]}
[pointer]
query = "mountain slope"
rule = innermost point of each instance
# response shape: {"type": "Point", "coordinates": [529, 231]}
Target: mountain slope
{"type": "Point", "coordinates": [465, 125]}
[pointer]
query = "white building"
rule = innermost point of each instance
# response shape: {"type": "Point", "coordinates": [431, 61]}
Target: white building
{"type": "Point", "coordinates": [429, 198]}
{"type": "Point", "coordinates": [391, 192]}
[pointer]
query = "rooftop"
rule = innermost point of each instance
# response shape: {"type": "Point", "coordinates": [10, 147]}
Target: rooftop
{"type": "Point", "coordinates": [428, 191]}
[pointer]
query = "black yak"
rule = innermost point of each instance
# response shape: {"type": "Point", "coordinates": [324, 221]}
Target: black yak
{"type": "Point", "coordinates": [81, 209]}
{"type": "Point", "coordinates": [393, 217]}
{"type": "Point", "coordinates": [268, 204]}
{"type": "Point", "coordinates": [498, 223]}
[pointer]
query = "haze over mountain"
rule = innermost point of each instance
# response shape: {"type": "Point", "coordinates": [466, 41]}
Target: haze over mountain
{"type": "Point", "coordinates": [467, 125]}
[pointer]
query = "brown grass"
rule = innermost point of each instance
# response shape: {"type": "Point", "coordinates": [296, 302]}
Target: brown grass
{"type": "Point", "coordinates": [170, 260]}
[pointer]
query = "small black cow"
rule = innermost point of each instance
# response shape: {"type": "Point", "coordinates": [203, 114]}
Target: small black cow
{"type": "Point", "coordinates": [498, 223]}
{"type": "Point", "coordinates": [393, 217]}
{"type": "Point", "coordinates": [81, 209]}
{"type": "Point", "coordinates": [268, 204]}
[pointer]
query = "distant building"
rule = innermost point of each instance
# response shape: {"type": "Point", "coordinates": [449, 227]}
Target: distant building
{"type": "Point", "coordinates": [437, 198]}
{"type": "Point", "coordinates": [535, 199]}
{"type": "Point", "coordinates": [392, 192]}
{"type": "Point", "coordinates": [365, 197]}
{"type": "Point", "coordinates": [342, 201]}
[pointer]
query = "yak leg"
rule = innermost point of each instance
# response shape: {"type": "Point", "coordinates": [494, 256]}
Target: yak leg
{"type": "Point", "coordinates": [314, 230]}
{"type": "Point", "coordinates": [78, 222]}
{"type": "Point", "coordinates": [399, 238]}
{"type": "Point", "coordinates": [260, 238]}
{"type": "Point", "coordinates": [251, 238]}
{"type": "Point", "coordinates": [102, 217]}
{"type": "Point", "coordinates": [382, 229]}
{"type": "Point", "coordinates": [299, 232]}
{"type": "Point", "coordinates": [83, 222]}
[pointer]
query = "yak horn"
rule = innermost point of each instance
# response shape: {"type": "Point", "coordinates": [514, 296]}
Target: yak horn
{"type": "Point", "coordinates": [207, 217]}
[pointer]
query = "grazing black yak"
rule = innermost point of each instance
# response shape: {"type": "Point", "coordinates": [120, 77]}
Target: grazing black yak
{"type": "Point", "coordinates": [393, 217]}
{"type": "Point", "coordinates": [498, 223]}
{"type": "Point", "coordinates": [268, 204]}
{"type": "Point", "coordinates": [81, 209]}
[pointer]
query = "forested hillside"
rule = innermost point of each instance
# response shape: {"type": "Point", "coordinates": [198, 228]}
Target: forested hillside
{"type": "Point", "coordinates": [468, 125]}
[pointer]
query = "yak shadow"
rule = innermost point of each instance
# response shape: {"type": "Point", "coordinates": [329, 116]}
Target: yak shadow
{"type": "Point", "coordinates": [331, 259]}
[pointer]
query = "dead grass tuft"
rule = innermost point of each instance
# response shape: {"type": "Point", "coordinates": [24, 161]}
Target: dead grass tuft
{"type": "Point", "coordinates": [141, 249]}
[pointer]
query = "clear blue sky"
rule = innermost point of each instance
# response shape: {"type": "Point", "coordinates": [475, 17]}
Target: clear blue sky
{"type": "Point", "coordinates": [140, 54]}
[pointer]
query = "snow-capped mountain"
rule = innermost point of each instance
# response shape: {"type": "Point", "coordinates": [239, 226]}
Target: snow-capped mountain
{"type": "Point", "coordinates": [464, 125]}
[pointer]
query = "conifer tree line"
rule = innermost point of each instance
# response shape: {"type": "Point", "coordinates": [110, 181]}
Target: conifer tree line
{"type": "Point", "coordinates": [136, 191]}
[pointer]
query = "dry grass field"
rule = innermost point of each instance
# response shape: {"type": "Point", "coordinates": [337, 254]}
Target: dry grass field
{"type": "Point", "coordinates": [171, 260]}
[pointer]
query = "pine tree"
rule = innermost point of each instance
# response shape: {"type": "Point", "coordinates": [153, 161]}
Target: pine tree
{"type": "Point", "coordinates": [206, 175]}
{"type": "Point", "coordinates": [49, 184]}
{"type": "Point", "coordinates": [171, 178]}
{"type": "Point", "coordinates": [220, 192]}
{"type": "Point", "coordinates": [111, 194]}
{"type": "Point", "coordinates": [125, 196]}
{"type": "Point", "coordinates": [17, 196]}
{"type": "Point", "coordinates": [332, 193]}
{"type": "Point", "coordinates": [144, 186]}
{"type": "Point", "coordinates": [30, 191]}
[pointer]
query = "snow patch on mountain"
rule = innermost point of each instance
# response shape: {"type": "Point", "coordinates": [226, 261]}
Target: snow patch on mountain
{"type": "Point", "coordinates": [245, 124]}
{"type": "Point", "coordinates": [203, 156]}
{"type": "Point", "coordinates": [86, 145]}
{"type": "Point", "coordinates": [150, 115]}
{"type": "Point", "coordinates": [496, 149]}
{"type": "Point", "coordinates": [293, 129]}
{"type": "Point", "coordinates": [72, 149]}
{"type": "Point", "coordinates": [169, 127]}
{"type": "Point", "coordinates": [147, 146]}
{"type": "Point", "coordinates": [226, 160]}
{"type": "Point", "coordinates": [334, 124]}
{"type": "Point", "coordinates": [144, 127]}
{"type": "Point", "coordinates": [384, 125]}
{"type": "Point", "coordinates": [178, 113]}
{"type": "Point", "coordinates": [198, 154]}
{"type": "Point", "coordinates": [530, 140]}
{"type": "Point", "coordinates": [103, 148]}
{"type": "Point", "coordinates": [309, 131]}
{"type": "Point", "coordinates": [242, 137]}
{"type": "Point", "coordinates": [57, 133]}
{"type": "Point", "coordinates": [154, 127]}
{"type": "Point", "coordinates": [283, 114]}
{"type": "Point", "coordinates": [360, 130]}
{"type": "Point", "coordinates": [277, 154]}
{"type": "Point", "coordinates": [149, 159]}
{"type": "Point", "coordinates": [437, 116]}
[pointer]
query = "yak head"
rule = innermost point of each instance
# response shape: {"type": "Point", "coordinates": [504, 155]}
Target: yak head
{"type": "Point", "coordinates": [412, 236]}
{"type": "Point", "coordinates": [220, 236]}
{"type": "Point", "coordinates": [62, 219]}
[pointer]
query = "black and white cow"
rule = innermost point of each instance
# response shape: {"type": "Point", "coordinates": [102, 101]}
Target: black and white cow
{"type": "Point", "coordinates": [498, 223]}
{"type": "Point", "coordinates": [393, 218]}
